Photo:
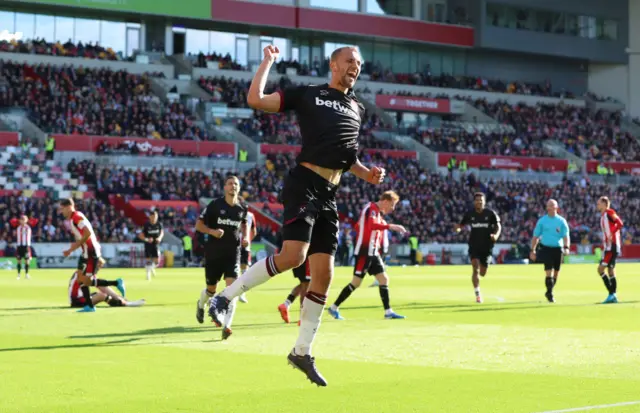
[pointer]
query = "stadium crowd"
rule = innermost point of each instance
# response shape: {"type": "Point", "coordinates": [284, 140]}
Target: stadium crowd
{"type": "Point", "coordinates": [110, 225]}
{"type": "Point", "coordinates": [69, 100]}
{"type": "Point", "coordinates": [41, 46]}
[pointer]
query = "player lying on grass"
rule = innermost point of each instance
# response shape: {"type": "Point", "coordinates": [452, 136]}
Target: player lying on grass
{"type": "Point", "coordinates": [104, 293]}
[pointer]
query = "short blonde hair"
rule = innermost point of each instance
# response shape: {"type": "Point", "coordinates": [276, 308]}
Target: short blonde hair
{"type": "Point", "coordinates": [390, 196]}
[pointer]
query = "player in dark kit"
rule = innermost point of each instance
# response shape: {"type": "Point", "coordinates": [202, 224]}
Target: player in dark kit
{"type": "Point", "coordinates": [330, 117]}
{"type": "Point", "coordinates": [225, 222]}
{"type": "Point", "coordinates": [152, 234]}
{"type": "Point", "coordinates": [485, 231]}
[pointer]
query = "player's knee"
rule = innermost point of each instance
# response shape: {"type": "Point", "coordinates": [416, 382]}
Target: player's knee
{"type": "Point", "coordinates": [356, 281]}
{"type": "Point", "coordinates": [211, 289]}
{"type": "Point", "coordinates": [483, 271]}
{"type": "Point", "coordinates": [383, 279]}
{"type": "Point", "coordinates": [291, 259]}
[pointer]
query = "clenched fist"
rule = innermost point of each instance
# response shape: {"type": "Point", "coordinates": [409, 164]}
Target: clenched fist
{"type": "Point", "coordinates": [376, 175]}
{"type": "Point", "coordinates": [271, 52]}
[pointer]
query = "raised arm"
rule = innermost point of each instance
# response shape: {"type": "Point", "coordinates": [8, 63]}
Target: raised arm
{"type": "Point", "coordinates": [256, 97]}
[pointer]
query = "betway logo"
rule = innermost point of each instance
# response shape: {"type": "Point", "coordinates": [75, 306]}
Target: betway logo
{"type": "Point", "coordinates": [228, 222]}
{"type": "Point", "coordinates": [337, 106]}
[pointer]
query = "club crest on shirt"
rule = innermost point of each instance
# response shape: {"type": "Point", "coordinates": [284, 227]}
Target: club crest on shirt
{"type": "Point", "coordinates": [558, 230]}
{"type": "Point", "coordinates": [222, 212]}
{"type": "Point", "coordinates": [324, 93]}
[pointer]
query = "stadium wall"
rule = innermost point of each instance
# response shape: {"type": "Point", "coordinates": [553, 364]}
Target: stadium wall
{"type": "Point", "coordinates": [634, 59]}
{"type": "Point", "coordinates": [610, 81]}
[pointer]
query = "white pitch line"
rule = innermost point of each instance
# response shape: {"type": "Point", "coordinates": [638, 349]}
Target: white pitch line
{"type": "Point", "coordinates": [600, 406]}
{"type": "Point", "coordinates": [500, 299]}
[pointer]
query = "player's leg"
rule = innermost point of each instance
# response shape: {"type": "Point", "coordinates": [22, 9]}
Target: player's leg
{"type": "Point", "coordinates": [19, 265]}
{"type": "Point", "coordinates": [27, 261]}
{"type": "Point", "coordinates": [604, 263]}
{"type": "Point", "coordinates": [300, 215]}
{"type": "Point", "coordinates": [356, 281]}
{"type": "Point", "coordinates": [304, 287]}
{"type": "Point", "coordinates": [378, 269]}
{"type": "Point", "coordinates": [155, 259]}
{"type": "Point", "coordinates": [213, 271]}
{"type": "Point", "coordinates": [613, 281]}
{"type": "Point", "coordinates": [98, 297]}
{"type": "Point", "coordinates": [118, 283]}
{"type": "Point", "coordinates": [231, 273]}
{"type": "Point", "coordinates": [324, 243]}
{"type": "Point", "coordinates": [299, 273]}
{"type": "Point", "coordinates": [475, 278]}
{"type": "Point", "coordinates": [549, 268]}
{"type": "Point", "coordinates": [85, 275]}
{"type": "Point", "coordinates": [245, 261]}
{"type": "Point", "coordinates": [114, 300]}
{"type": "Point", "coordinates": [147, 257]}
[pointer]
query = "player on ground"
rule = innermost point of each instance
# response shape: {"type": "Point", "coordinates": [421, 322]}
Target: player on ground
{"type": "Point", "coordinates": [225, 222]}
{"type": "Point", "coordinates": [371, 227]}
{"type": "Point", "coordinates": [105, 293]}
{"type": "Point", "coordinates": [86, 239]}
{"type": "Point", "coordinates": [330, 117]}
{"type": "Point", "coordinates": [552, 231]}
{"type": "Point", "coordinates": [152, 234]}
{"type": "Point", "coordinates": [23, 242]}
{"type": "Point", "coordinates": [485, 231]}
{"type": "Point", "coordinates": [245, 253]}
{"type": "Point", "coordinates": [304, 276]}
{"type": "Point", "coordinates": [611, 225]}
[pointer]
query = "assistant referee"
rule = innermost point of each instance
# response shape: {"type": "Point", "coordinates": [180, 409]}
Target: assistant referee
{"type": "Point", "coordinates": [552, 233]}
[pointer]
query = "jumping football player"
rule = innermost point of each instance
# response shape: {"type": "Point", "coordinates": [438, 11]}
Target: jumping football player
{"type": "Point", "coordinates": [330, 117]}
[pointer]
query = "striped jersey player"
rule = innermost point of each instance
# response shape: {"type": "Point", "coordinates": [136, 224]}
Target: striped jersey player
{"type": "Point", "coordinates": [23, 242]}
{"type": "Point", "coordinates": [611, 224]}
{"type": "Point", "coordinates": [371, 229]}
{"type": "Point", "coordinates": [86, 239]}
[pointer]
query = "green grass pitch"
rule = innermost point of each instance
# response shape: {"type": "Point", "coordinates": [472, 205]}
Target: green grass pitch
{"type": "Point", "coordinates": [514, 353]}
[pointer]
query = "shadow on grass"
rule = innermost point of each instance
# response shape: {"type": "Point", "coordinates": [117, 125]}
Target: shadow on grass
{"type": "Point", "coordinates": [116, 343]}
{"type": "Point", "coordinates": [541, 305]}
{"type": "Point", "coordinates": [176, 330]}
{"type": "Point", "coordinates": [100, 306]}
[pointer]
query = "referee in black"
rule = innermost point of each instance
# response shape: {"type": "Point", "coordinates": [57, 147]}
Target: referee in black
{"type": "Point", "coordinates": [330, 117]}
{"type": "Point", "coordinates": [552, 233]}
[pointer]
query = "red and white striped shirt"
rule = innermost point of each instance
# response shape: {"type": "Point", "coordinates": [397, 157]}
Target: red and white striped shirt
{"type": "Point", "coordinates": [75, 292]}
{"type": "Point", "coordinates": [611, 225]}
{"type": "Point", "coordinates": [78, 222]}
{"type": "Point", "coordinates": [23, 235]}
{"type": "Point", "coordinates": [370, 228]}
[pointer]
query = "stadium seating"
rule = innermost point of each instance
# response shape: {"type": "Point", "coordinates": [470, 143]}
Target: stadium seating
{"type": "Point", "coordinates": [100, 102]}
{"type": "Point", "coordinates": [68, 49]}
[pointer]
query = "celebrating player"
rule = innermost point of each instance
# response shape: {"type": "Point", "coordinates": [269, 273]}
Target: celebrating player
{"type": "Point", "coordinates": [371, 227]}
{"type": "Point", "coordinates": [23, 241]}
{"type": "Point", "coordinates": [89, 262]}
{"type": "Point", "coordinates": [245, 253]}
{"type": "Point", "coordinates": [152, 234]}
{"type": "Point", "coordinates": [551, 232]}
{"type": "Point", "coordinates": [303, 275]}
{"type": "Point", "coordinates": [330, 117]}
{"type": "Point", "coordinates": [224, 220]}
{"type": "Point", "coordinates": [611, 225]}
{"type": "Point", "coordinates": [485, 230]}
